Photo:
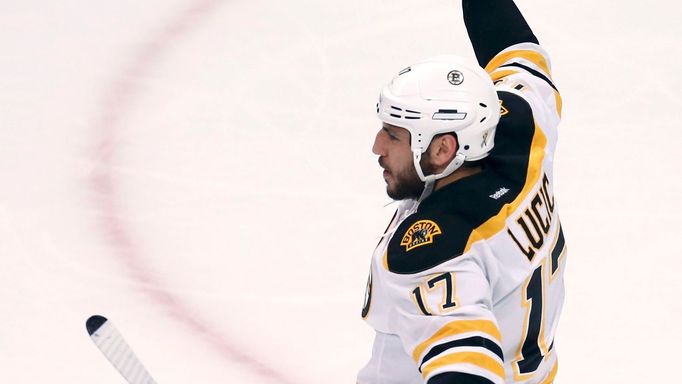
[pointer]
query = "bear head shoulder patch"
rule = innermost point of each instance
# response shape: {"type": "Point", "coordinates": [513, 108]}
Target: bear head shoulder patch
{"type": "Point", "coordinates": [420, 233]}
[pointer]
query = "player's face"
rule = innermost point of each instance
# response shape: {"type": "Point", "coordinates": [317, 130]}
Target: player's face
{"type": "Point", "coordinates": [392, 145]}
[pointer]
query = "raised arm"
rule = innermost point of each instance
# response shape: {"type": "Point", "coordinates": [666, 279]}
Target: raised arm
{"type": "Point", "coordinates": [494, 25]}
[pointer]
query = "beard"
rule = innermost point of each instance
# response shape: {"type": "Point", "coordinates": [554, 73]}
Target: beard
{"type": "Point", "coordinates": [407, 184]}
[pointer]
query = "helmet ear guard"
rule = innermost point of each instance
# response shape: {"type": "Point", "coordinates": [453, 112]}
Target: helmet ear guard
{"type": "Point", "coordinates": [441, 95]}
{"type": "Point", "coordinates": [456, 162]}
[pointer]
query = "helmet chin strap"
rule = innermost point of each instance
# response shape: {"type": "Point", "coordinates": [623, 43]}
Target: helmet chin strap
{"type": "Point", "coordinates": [430, 180]}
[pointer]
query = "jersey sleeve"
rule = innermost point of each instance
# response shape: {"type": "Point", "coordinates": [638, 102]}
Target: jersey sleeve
{"type": "Point", "coordinates": [494, 25]}
{"type": "Point", "coordinates": [507, 48]}
{"type": "Point", "coordinates": [449, 329]}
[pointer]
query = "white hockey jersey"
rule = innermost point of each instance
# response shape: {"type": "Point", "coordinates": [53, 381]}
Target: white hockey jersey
{"type": "Point", "coordinates": [467, 286]}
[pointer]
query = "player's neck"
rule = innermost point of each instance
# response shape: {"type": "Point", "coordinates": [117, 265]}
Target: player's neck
{"type": "Point", "coordinates": [457, 175]}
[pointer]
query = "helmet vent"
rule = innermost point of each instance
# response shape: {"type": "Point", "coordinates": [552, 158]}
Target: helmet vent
{"type": "Point", "coordinates": [404, 71]}
{"type": "Point", "coordinates": [409, 114]}
{"type": "Point", "coordinates": [483, 105]}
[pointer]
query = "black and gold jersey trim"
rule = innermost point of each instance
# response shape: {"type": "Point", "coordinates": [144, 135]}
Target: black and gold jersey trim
{"type": "Point", "coordinates": [458, 357]}
{"type": "Point", "coordinates": [532, 72]}
{"type": "Point", "coordinates": [474, 341]}
{"type": "Point", "coordinates": [451, 360]}
{"type": "Point", "coordinates": [506, 64]}
{"type": "Point", "coordinates": [459, 378]}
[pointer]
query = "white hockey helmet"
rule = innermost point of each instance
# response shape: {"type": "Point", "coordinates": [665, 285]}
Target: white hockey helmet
{"type": "Point", "coordinates": [443, 94]}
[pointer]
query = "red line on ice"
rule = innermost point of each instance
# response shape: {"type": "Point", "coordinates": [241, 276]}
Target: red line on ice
{"type": "Point", "coordinates": [120, 96]}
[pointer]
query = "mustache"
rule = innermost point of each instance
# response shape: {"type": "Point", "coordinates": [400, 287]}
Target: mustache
{"type": "Point", "coordinates": [382, 164]}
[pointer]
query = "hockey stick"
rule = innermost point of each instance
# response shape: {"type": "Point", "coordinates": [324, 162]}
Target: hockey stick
{"type": "Point", "coordinates": [107, 338]}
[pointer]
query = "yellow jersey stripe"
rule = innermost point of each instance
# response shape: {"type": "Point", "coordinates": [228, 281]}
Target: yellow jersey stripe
{"type": "Point", "coordinates": [532, 56]}
{"type": "Point", "coordinates": [496, 75]}
{"type": "Point", "coordinates": [455, 328]}
{"type": "Point", "coordinates": [498, 222]}
{"type": "Point", "coordinates": [475, 358]}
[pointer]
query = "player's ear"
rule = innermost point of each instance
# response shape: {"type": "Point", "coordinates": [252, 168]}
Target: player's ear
{"type": "Point", "coordinates": [443, 149]}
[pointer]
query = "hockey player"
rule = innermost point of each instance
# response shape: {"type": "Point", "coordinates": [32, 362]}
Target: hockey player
{"type": "Point", "coordinates": [466, 285]}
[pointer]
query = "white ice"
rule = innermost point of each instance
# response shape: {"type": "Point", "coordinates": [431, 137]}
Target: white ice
{"type": "Point", "coordinates": [200, 173]}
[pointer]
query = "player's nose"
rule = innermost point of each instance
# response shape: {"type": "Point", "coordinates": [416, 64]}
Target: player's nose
{"type": "Point", "coordinates": [378, 148]}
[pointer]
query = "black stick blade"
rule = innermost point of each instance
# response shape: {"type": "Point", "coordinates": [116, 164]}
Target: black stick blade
{"type": "Point", "coordinates": [94, 323]}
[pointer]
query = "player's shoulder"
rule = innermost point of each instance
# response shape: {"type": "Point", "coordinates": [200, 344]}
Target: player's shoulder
{"type": "Point", "coordinates": [424, 240]}
{"type": "Point", "coordinates": [515, 107]}
{"type": "Point", "coordinates": [443, 225]}
{"type": "Point", "coordinates": [516, 127]}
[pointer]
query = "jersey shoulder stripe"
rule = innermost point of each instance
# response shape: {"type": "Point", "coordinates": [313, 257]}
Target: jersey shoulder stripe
{"type": "Point", "coordinates": [530, 54]}
{"type": "Point", "coordinates": [532, 72]}
{"type": "Point", "coordinates": [453, 217]}
{"type": "Point", "coordinates": [527, 65]}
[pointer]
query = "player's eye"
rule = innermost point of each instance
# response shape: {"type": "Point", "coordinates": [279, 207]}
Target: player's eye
{"type": "Point", "coordinates": [391, 135]}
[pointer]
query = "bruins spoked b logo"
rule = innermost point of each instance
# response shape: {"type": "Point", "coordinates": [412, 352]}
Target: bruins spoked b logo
{"type": "Point", "coordinates": [455, 77]}
{"type": "Point", "coordinates": [420, 233]}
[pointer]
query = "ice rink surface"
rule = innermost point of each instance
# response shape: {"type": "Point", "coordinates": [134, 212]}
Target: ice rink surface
{"type": "Point", "coordinates": [200, 172]}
